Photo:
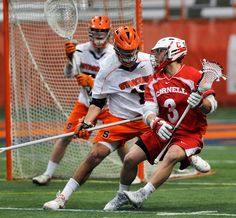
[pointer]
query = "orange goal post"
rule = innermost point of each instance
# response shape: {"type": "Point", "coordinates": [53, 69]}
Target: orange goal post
{"type": "Point", "coordinates": [38, 96]}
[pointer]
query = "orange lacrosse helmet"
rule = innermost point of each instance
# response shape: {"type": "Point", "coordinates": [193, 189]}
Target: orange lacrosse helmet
{"type": "Point", "coordinates": [126, 38]}
{"type": "Point", "coordinates": [99, 31]}
{"type": "Point", "coordinates": [100, 22]}
{"type": "Point", "coordinates": [126, 45]}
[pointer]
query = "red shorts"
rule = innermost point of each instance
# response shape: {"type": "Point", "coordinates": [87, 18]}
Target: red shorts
{"type": "Point", "coordinates": [122, 132]}
{"type": "Point", "coordinates": [191, 143]}
{"type": "Point", "coordinates": [79, 111]}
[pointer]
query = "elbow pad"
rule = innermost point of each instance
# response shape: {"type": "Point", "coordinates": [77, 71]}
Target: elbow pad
{"type": "Point", "coordinates": [213, 102]}
{"type": "Point", "coordinates": [98, 102]}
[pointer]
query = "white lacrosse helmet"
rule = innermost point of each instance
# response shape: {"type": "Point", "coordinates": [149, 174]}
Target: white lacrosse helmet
{"type": "Point", "coordinates": [172, 49]}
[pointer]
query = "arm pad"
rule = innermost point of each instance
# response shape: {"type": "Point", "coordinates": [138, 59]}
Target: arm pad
{"type": "Point", "coordinates": [98, 102]}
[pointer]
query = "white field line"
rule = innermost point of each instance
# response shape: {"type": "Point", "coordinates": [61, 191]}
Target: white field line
{"type": "Point", "coordinates": [223, 161]}
{"type": "Point", "coordinates": [175, 182]}
{"type": "Point", "coordinates": [196, 213]}
{"type": "Point", "coordinates": [204, 183]}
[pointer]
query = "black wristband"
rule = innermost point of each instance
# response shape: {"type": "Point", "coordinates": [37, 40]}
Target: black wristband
{"type": "Point", "coordinates": [85, 126]}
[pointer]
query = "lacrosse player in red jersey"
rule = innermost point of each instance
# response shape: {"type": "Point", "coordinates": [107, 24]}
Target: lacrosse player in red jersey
{"type": "Point", "coordinates": [87, 57]}
{"type": "Point", "coordinates": [169, 91]}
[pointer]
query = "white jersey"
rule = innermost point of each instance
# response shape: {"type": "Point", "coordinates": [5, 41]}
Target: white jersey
{"type": "Point", "coordinates": [88, 62]}
{"type": "Point", "coordinates": [123, 88]}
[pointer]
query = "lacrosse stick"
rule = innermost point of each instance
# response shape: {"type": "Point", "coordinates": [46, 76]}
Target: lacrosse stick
{"type": "Point", "coordinates": [69, 134]}
{"type": "Point", "coordinates": [212, 71]}
{"type": "Point", "coordinates": [62, 16]}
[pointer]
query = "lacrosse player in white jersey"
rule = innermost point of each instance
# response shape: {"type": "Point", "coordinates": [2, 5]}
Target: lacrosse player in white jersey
{"type": "Point", "coordinates": [120, 82]}
{"type": "Point", "coordinates": [88, 56]}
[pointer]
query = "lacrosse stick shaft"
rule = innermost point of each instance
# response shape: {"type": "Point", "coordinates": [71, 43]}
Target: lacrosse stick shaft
{"type": "Point", "coordinates": [68, 134]}
{"type": "Point", "coordinates": [170, 140]}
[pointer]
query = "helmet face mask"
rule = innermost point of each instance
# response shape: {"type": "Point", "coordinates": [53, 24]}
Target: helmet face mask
{"type": "Point", "coordinates": [158, 56]}
{"type": "Point", "coordinates": [99, 31]}
{"type": "Point", "coordinates": [174, 48]}
{"type": "Point", "coordinates": [99, 37]}
{"type": "Point", "coordinates": [127, 57]}
{"type": "Point", "coordinates": [126, 45]}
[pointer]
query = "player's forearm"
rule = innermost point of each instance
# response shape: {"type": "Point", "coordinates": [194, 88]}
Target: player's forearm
{"type": "Point", "coordinates": [69, 70]}
{"type": "Point", "coordinates": [209, 105]}
{"type": "Point", "coordinates": [92, 114]}
{"type": "Point", "coordinates": [150, 111]}
{"type": "Point", "coordinates": [150, 119]}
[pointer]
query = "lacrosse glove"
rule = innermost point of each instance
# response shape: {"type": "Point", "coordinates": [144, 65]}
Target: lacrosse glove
{"type": "Point", "coordinates": [81, 129]}
{"type": "Point", "coordinates": [70, 48]}
{"type": "Point", "coordinates": [162, 128]}
{"type": "Point", "coordinates": [195, 99]}
{"type": "Point", "coordinates": [85, 80]}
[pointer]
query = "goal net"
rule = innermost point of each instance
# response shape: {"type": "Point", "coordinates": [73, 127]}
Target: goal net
{"type": "Point", "coordinates": [41, 98]}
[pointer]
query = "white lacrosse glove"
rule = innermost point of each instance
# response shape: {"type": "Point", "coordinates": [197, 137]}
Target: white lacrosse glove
{"type": "Point", "coordinates": [195, 99]}
{"type": "Point", "coordinates": [162, 128]}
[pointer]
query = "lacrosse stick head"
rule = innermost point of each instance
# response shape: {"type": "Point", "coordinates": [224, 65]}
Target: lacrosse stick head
{"type": "Point", "coordinates": [212, 71]}
{"type": "Point", "coordinates": [62, 17]}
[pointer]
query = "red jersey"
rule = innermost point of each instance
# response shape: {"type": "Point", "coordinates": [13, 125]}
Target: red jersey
{"type": "Point", "coordinates": [171, 94]}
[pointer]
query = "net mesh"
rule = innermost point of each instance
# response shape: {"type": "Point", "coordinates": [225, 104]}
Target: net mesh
{"type": "Point", "coordinates": [41, 97]}
{"type": "Point", "coordinates": [212, 71]}
{"type": "Point", "coordinates": [62, 16]}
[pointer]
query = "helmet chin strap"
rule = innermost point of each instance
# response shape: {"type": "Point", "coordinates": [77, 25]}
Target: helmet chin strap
{"type": "Point", "coordinates": [131, 64]}
{"type": "Point", "coordinates": [127, 64]}
{"type": "Point", "coordinates": [99, 50]}
{"type": "Point", "coordinates": [162, 65]}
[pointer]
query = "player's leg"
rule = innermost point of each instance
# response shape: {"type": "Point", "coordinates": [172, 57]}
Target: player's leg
{"type": "Point", "coordinates": [60, 146]}
{"type": "Point", "coordinates": [161, 174]}
{"type": "Point", "coordinates": [56, 156]}
{"type": "Point", "coordinates": [95, 156]}
{"type": "Point", "coordinates": [122, 151]}
{"type": "Point", "coordinates": [128, 173]}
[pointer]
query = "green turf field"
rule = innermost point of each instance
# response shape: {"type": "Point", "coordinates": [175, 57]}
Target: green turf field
{"type": "Point", "coordinates": [209, 196]}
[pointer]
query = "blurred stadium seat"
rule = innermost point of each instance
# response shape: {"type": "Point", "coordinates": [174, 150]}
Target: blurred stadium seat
{"type": "Point", "coordinates": [175, 9]}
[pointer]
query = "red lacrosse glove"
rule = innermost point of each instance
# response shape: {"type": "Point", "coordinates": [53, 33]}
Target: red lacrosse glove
{"type": "Point", "coordinates": [81, 129]}
{"type": "Point", "coordinates": [163, 128]}
{"type": "Point", "coordinates": [85, 80]}
{"type": "Point", "coordinates": [70, 48]}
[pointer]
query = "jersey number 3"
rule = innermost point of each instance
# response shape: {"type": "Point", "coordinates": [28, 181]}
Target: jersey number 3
{"type": "Point", "coordinates": [173, 114]}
